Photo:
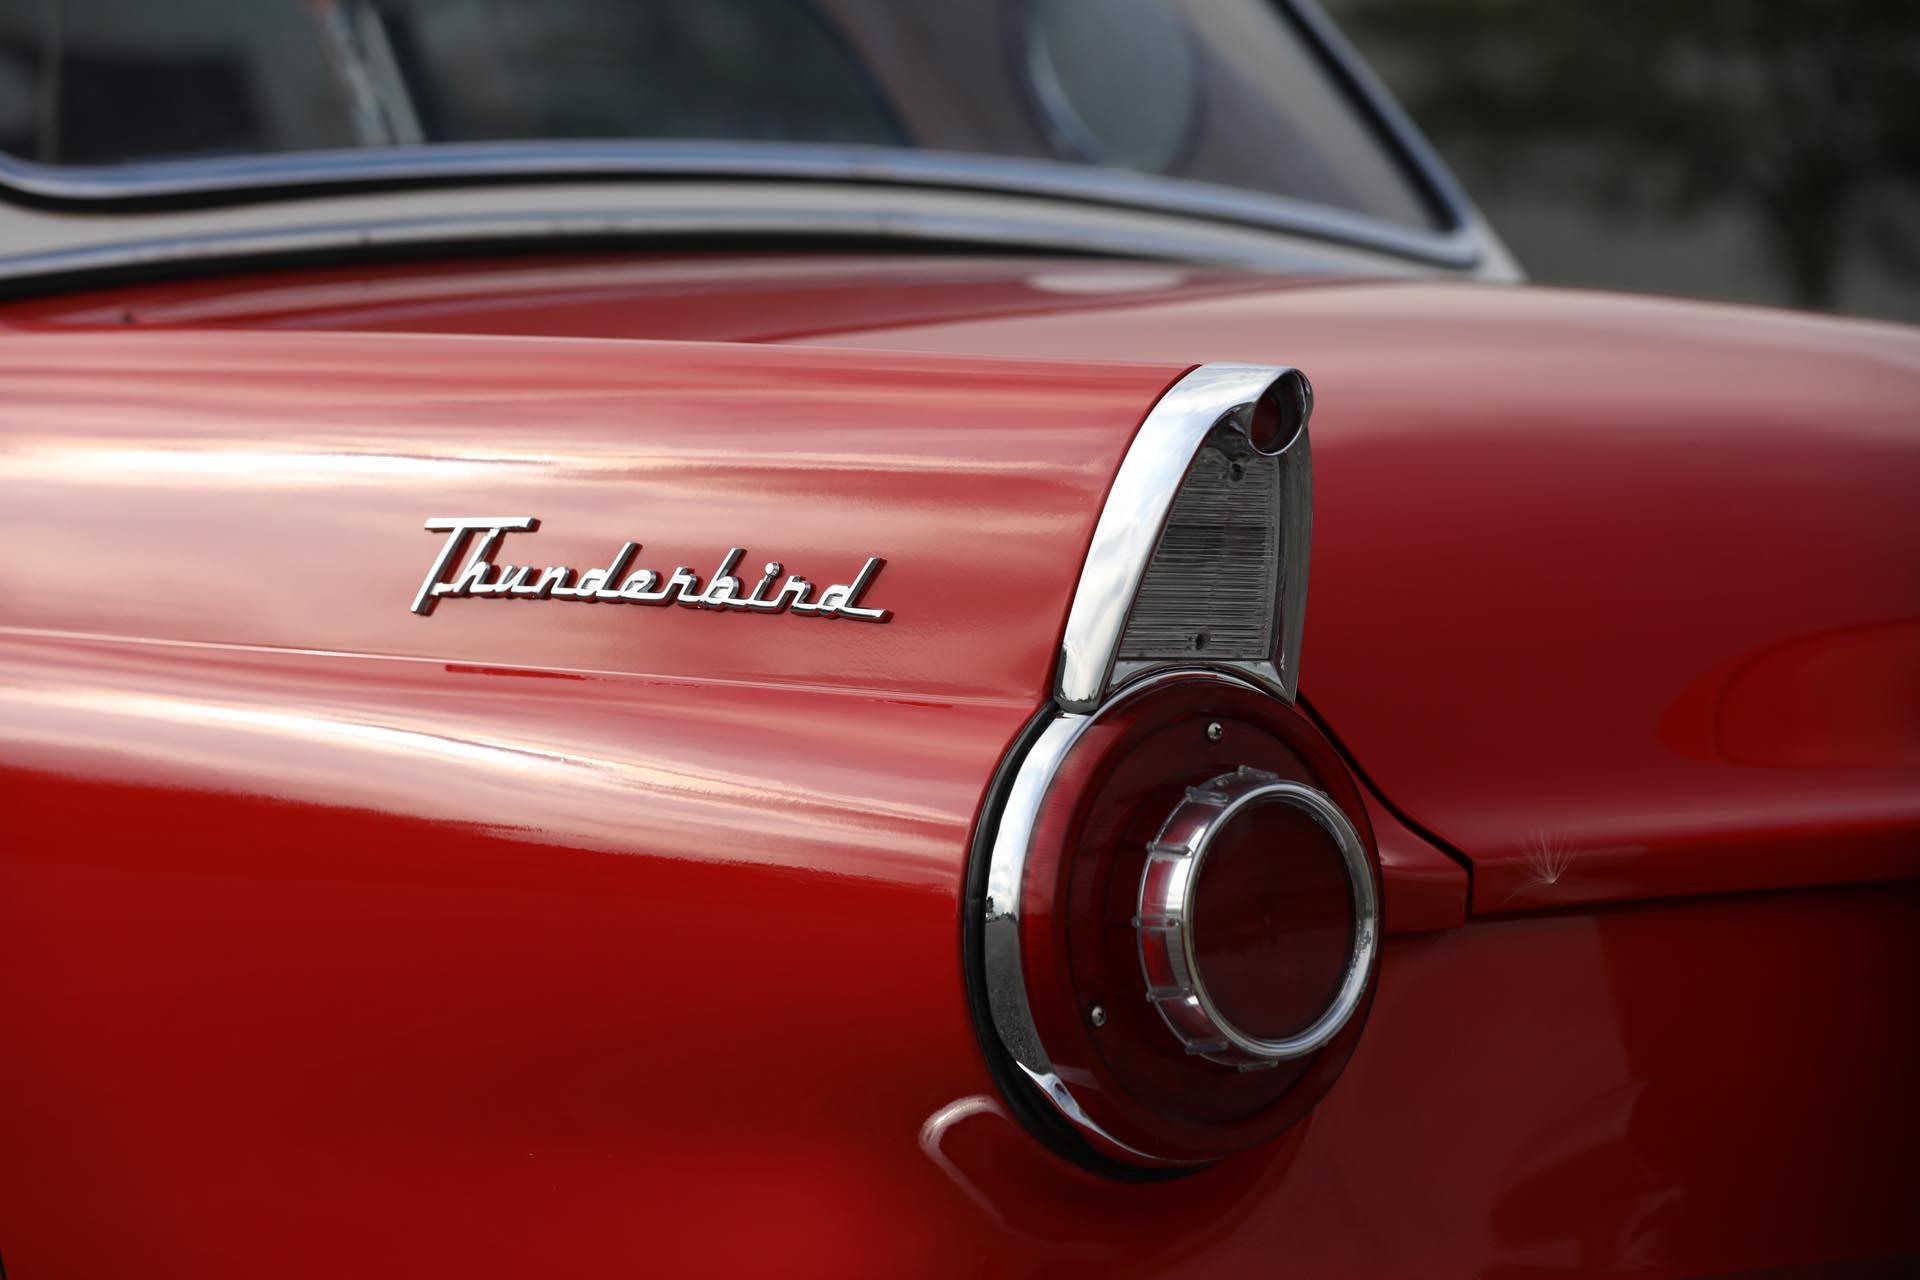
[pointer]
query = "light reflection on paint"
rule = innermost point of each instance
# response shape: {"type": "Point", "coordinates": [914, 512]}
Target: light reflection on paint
{"type": "Point", "coordinates": [203, 463]}
{"type": "Point", "coordinates": [933, 1133]}
{"type": "Point", "coordinates": [601, 801]}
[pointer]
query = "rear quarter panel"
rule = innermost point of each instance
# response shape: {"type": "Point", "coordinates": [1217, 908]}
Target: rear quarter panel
{"type": "Point", "coordinates": [341, 936]}
{"type": "Point", "coordinates": [591, 940]}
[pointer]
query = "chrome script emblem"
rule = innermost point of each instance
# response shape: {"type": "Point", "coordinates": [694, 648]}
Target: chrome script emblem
{"type": "Point", "coordinates": [479, 578]}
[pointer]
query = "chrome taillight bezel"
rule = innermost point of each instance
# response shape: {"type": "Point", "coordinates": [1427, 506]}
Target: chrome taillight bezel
{"type": "Point", "coordinates": [1164, 919]}
{"type": "Point", "coordinates": [1253, 413]}
{"type": "Point", "coordinates": [1257, 412]}
{"type": "Point", "coordinates": [1042, 1035]}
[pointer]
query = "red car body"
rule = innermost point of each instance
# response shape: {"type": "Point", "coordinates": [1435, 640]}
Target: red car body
{"type": "Point", "coordinates": [582, 941]}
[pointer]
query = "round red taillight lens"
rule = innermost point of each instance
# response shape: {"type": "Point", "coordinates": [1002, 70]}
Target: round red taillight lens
{"type": "Point", "coordinates": [1196, 919]}
{"type": "Point", "coordinates": [1246, 919]}
{"type": "Point", "coordinates": [1273, 922]}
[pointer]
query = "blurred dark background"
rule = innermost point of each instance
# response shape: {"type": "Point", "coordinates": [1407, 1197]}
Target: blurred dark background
{"type": "Point", "coordinates": [1757, 150]}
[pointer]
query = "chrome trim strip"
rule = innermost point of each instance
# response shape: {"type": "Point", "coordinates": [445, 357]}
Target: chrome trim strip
{"type": "Point", "coordinates": [210, 182]}
{"type": "Point", "coordinates": [292, 230]}
{"type": "Point", "coordinates": [1006, 985]}
{"type": "Point", "coordinates": [1464, 241]}
{"type": "Point", "coordinates": [1136, 512]}
{"type": "Point", "coordinates": [1006, 869]}
{"type": "Point", "coordinates": [1376, 100]}
{"type": "Point", "coordinates": [1069, 1106]}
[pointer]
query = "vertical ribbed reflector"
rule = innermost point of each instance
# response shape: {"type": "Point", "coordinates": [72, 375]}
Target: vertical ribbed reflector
{"type": "Point", "coordinates": [1210, 589]}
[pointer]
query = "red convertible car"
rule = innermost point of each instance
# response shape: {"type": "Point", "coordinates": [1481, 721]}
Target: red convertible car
{"type": "Point", "coordinates": [703, 637]}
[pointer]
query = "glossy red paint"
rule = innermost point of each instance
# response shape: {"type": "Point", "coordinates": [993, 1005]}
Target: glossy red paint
{"type": "Point", "coordinates": [270, 490]}
{"type": "Point", "coordinates": [753, 297]}
{"type": "Point", "coordinates": [1728, 606]}
{"type": "Point", "coordinates": [1422, 888]}
{"type": "Point", "coordinates": [328, 962]}
{"type": "Point", "coordinates": [1583, 565]}
{"type": "Point", "coordinates": [346, 939]}
{"type": "Point", "coordinates": [1725, 487]}
{"type": "Point", "coordinates": [446, 992]}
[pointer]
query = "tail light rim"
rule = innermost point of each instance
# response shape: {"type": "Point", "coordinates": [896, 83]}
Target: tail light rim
{"type": "Point", "coordinates": [1232, 409]}
{"type": "Point", "coordinates": [1193, 835]}
{"type": "Point", "coordinates": [1000, 942]}
{"type": "Point", "coordinates": [1007, 847]}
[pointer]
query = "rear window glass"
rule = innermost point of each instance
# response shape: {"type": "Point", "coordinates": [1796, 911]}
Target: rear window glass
{"type": "Point", "coordinates": [1220, 91]}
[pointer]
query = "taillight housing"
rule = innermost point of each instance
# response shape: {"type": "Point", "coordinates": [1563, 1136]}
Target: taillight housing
{"type": "Point", "coordinates": [1195, 919]}
{"type": "Point", "coordinates": [1173, 911]}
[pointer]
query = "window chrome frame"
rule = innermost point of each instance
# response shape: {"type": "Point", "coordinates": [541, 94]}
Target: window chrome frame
{"type": "Point", "coordinates": [219, 183]}
{"type": "Point", "coordinates": [1461, 242]}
